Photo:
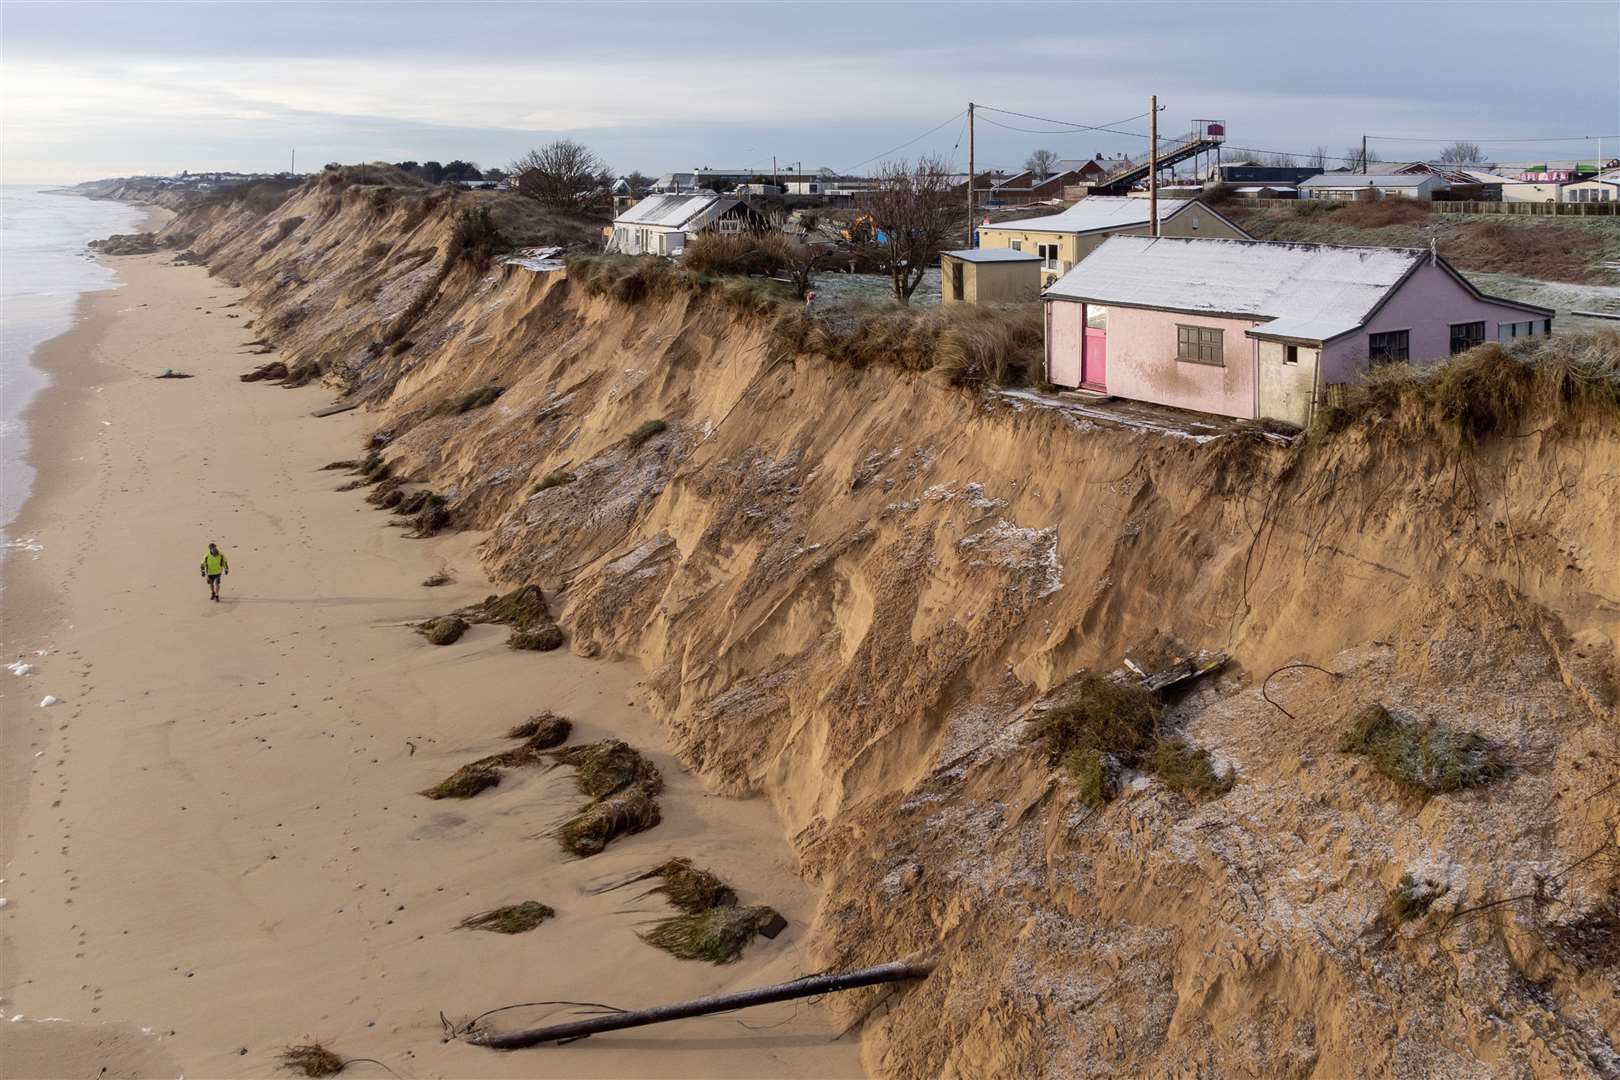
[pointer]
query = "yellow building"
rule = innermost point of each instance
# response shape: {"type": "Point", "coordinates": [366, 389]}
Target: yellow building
{"type": "Point", "coordinates": [1061, 240]}
{"type": "Point", "coordinates": [989, 276]}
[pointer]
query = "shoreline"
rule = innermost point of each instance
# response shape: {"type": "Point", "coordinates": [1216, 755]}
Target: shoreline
{"type": "Point", "coordinates": [199, 875]}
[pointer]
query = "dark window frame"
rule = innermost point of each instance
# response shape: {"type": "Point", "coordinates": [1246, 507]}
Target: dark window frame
{"type": "Point", "coordinates": [1200, 345]}
{"type": "Point", "coordinates": [1291, 354]}
{"type": "Point", "coordinates": [1394, 348]}
{"type": "Point", "coordinates": [1472, 334]}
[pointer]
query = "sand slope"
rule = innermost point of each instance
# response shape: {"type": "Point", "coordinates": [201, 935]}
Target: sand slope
{"type": "Point", "coordinates": [213, 846]}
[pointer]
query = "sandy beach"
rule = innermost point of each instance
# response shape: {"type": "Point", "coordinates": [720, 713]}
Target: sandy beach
{"type": "Point", "coordinates": [213, 847]}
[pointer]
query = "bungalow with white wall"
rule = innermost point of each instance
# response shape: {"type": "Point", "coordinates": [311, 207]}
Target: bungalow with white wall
{"type": "Point", "coordinates": [661, 224]}
{"type": "Point", "coordinates": [1061, 240]}
{"type": "Point", "coordinates": [1250, 329]}
{"type": "Point", "coordinates": [1602, 188]}
{"type": "Point", "coordinates": [1369, 186]}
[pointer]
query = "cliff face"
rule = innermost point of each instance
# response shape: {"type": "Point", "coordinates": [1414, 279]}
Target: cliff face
{"type": "Point", "coordinates": [849, 585]}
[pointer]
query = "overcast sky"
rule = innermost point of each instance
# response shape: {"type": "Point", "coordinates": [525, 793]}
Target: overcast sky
{"type": "Point", "coordinates": [95, 89]}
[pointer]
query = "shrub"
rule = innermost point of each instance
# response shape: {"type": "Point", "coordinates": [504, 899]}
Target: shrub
{"type": "Point", "coordinates": [1424, 758]}
{"type": "Point", "coordinates": [626, 278]}
{"type": "Point", "coordinates": [1093, 727]}
{"type": "Point", "coordinates": [1412, 897]}
{"type": "Point", "coordinates": [731, 253]}
{"type": "Point", "coordinates": [474, 239]}
{"type": "Point", "coordinates": [970, 345]}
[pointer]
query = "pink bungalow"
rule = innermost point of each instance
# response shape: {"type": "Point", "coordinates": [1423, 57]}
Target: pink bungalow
{"type": "Point", "coordinates": [1250, 329]}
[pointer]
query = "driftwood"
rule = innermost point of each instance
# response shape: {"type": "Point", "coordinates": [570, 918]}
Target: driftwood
{"type": "Point", "coordinates": [335, 408]}
{"type": "Point", "coordinates": [809, 986]}
{"type": "Point", "coordinates": [1184, 670]}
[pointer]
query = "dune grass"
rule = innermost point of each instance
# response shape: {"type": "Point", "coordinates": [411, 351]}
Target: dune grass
{"type": "Point", "coordinates": [717, 934]}
{"type": "Point", "coordinates": [511, 919]}
{"type": "Point", "coordinates": [311, 1059]}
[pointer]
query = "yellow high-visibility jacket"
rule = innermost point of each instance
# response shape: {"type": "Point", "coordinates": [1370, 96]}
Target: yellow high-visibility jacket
{"type": "Point", "coordinates": [215, 564]}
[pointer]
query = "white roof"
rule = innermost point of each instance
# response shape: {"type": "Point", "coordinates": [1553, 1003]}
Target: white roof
{"type": "Point", "coordinates": [1309, 291]}
{"type": "Point", "coordinates": [1095, 212]}
{"type": "Point", "coordinates": [989, 255]}
{"type": "Point", "coordinates": [670, 211]}
{"type": "Point", "coordinates": [1333, 180]}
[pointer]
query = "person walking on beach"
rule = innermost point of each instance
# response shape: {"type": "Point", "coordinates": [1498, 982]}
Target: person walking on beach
{"type": "Point", "coordinates": [214, 566]}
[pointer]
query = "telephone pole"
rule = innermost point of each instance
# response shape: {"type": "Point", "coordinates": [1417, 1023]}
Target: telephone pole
{"type": "Point", "coordinates": [971, 207]}
{"type": "Point", "coordinates": [1364, 152]}
{"type": "Point", "coordinates": [293, 166]}
{"type": "Point", "coordinates": [1153, 165]}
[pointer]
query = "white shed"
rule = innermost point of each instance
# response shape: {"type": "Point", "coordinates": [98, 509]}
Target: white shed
{"type": "Point", "coordinates": [1371, 186]}
{"type": "Point", "coordinates": [660, 224]}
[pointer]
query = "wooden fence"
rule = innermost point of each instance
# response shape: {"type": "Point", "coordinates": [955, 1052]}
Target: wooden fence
{"type": "Point", "coordinates": [1444, 206]}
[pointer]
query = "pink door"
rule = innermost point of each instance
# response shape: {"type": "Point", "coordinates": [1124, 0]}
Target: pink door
{"type": "Point", "coordinates": [1094, 360]}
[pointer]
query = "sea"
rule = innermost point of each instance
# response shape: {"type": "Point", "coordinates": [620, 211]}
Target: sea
{"type": "Point", "coordinates": [44, 269]}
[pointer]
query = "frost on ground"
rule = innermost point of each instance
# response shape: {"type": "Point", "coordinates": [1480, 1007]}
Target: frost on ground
{"type": "Point", "coordinates": [1013, 548]}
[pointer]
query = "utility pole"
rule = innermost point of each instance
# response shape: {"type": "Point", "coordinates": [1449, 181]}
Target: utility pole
{"type": "Point", "coordinates": [971, 207]}
{"type": "Point", "coordinates": [293, 166]}
{"type": "Point", "coordinates": [1153, 165]}
{"type": "Point", "coordinates": [1364, 152]}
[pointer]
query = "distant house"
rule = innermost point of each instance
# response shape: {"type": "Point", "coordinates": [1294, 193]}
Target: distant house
{"type": "Point", "coordinates": [661, 224]}
{"type": "Point", "coordinates": [1604, 188]}
{"type": "Point", "coordinates": [1517, 191]}
{"type": "Point", "coordinates": [1420, 185]}
{"type": "Point", "coordinates": [1251, 329]}
{"type": "Point", "coordinates": [989, 276]}
{"type": "Point", "coordinates": [1062, 240]}
{"type": "Point", "coordinates": [1027, 188]}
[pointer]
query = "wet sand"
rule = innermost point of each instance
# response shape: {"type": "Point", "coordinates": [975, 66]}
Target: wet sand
{"type": "Point", "coordinates": [213, 846]}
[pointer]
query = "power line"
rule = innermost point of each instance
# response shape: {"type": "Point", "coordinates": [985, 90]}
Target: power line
{"type": "Point", "coordinates": [950, 119]}
{"type": "Point", "coordinates": [1112, 126]}
{"type": "Point", "coordinates": [1438, 139]}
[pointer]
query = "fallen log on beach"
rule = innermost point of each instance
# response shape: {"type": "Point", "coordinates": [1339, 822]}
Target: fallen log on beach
{"type": "Point", "coordinates": [896, 971]}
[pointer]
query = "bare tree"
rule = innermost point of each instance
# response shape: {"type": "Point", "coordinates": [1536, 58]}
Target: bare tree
{"type": "Point", "coordinates": [1462, 153]}
{"type": "Point", "coordinates": [560, 174]}
{"type": "Point", "coordinates": [1318, 158]}
{"type": "Point", "coordinates": [914, 211]}
{"type": "Point", "coordinates": [798, 260]}
{"type": "Point", "coordinates": [1043, 163]}
{"type": "Point", "coordinates": [1281, 161]}
{"type": "Point", "coordinates": [1352, 156]}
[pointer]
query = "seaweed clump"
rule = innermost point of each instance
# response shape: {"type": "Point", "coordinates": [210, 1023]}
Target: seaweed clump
{"type": "Point", "coordinates": [511, 919]}
{"type": "Point", "coordinates": [311, 1059]}
{"type": "Point", "coordinates": [623, 786]}
{"type": "Point", "coordinates": [524, 609]}
{"type": "Point", "coordinates": [465, 782]}
{"type": "Point", "coordinates": [718, 934]}
{"type": "Point", "coordinates": [445, 630]}
{"type": "Point", "coordinates": [544, 730]}
{"type": "Point", "coordinates": [1427, 759]}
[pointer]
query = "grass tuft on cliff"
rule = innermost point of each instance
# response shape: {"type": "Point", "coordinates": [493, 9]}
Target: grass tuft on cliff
{"type": "Point", "coordinates": [474, 238]}
{"type": "Point", "coordinates": [465, 403]}
{"type": "Point", "coordinates": [1489, 391]}
{"type": "Point", "coordinates": [1427, 759]}
{"type": "Point", "coordinates": [556, 478]}
{"type": "Point", "coordinates": [511, 919]}
{"type": "Point", "coordinates": [644, 431]}
{"type": "Point", "coordinates": [969, 345]}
